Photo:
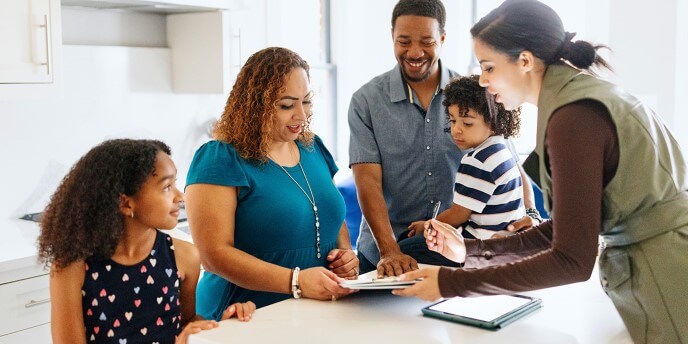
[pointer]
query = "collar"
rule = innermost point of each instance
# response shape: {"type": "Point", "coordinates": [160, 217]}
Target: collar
{"type": "Point", "coordinates": [556, 77]}
{"type": "Point", "coordinates": [400, 90]}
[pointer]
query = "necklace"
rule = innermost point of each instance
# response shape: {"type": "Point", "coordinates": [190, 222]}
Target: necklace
{"type": "Point", "coordinates": [311, 200]}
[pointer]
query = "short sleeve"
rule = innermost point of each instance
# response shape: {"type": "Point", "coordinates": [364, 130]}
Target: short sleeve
{"type": "Point", "coordinates": [331, 165]}
{"type": "Point", "coordinates": [362, 144]}
{"type": "Point", "coordinates": [216, 163]}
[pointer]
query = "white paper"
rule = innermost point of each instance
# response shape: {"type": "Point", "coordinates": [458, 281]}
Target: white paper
{"type": "Point", "coordinates": [486, 308]}
{"type": "Point", "coordinates": [377, 283]}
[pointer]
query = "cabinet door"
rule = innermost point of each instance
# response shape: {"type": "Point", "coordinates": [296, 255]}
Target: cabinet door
{"type": "Point", "coordinates": [26, 41]}
{"type": "Point", "coordinates": [24, 304]}
{"type": "Point", "coordinates": [38, 334]}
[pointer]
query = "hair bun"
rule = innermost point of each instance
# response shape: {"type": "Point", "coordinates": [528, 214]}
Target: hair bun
{"type": "Point", "coordinates": [581, 54]}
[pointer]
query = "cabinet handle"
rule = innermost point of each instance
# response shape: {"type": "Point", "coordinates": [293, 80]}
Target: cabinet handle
{"type": "Point", "coordinates": [33, 303]}
{"type": "Point", "coordinates": [48, 54]}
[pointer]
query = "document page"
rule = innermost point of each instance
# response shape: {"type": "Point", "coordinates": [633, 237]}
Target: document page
{"type": "Point", "coordinates": [486, 308]}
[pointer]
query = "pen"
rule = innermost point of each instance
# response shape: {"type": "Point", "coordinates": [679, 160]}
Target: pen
{"type": "Point", "coordinates": [435, 211]}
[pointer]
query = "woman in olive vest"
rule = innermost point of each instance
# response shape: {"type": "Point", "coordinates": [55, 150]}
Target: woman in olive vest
{"type": "Point", "coordinates": [609, 167]}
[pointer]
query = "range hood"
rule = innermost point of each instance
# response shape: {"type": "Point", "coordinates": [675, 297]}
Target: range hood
{"type": "Point", "coordinates": [157, 6]}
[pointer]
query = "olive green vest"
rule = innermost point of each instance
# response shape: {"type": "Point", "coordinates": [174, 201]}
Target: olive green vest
{"type": "Point", "coordinates": [649, 192]}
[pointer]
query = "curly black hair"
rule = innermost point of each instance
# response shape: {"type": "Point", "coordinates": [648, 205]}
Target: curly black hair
{"type": "Point", "coordinates": [466, 92]}
{"type": "Point", "coordinates": [83, 218]}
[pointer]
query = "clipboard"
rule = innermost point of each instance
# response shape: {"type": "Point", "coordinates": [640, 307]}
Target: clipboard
{"type": "Point", "coordinates": [377, 283]}
{"type": "Point", "coordinates": [488, 312]}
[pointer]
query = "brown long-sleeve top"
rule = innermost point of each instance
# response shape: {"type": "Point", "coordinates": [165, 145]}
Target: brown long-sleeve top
{"type": "Point", "coordinates": [583, 153]}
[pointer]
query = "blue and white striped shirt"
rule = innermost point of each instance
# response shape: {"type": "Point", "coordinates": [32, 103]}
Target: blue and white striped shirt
{"type": "Point", "coordinates": [489, 183]}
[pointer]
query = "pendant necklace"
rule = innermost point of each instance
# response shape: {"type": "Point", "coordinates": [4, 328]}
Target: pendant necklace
{"type": "Point", "coordinates": [311, 200]}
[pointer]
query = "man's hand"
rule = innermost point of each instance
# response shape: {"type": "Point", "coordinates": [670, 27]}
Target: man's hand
{"type": "Point", "coordinates": [395, 264]}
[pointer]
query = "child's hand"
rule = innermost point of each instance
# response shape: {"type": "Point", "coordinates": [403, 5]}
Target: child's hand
{"type": "Point", "coordinates": [416, 228]}
{"type": "Point", "coordinates": [243, 311]}
{"type": "Point", "coordinates": [193, 328]}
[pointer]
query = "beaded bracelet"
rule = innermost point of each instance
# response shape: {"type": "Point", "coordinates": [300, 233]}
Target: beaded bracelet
{"type": "Point", "coordinates": [534, 214]}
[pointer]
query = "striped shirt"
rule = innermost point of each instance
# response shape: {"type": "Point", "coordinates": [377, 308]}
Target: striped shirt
{"type": "Point", "coordinates": [489, 183]}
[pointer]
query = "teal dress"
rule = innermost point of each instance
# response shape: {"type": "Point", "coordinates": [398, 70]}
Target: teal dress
{"type": "Point", "coordinates": [274, 219]}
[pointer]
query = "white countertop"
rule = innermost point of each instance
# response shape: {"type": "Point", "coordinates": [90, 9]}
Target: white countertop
{"type": "Point", "coordinates": [577, 313]}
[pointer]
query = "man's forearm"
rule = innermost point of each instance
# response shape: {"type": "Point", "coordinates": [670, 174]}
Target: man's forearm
{"type": "Point", "coordinates": [373, 206]}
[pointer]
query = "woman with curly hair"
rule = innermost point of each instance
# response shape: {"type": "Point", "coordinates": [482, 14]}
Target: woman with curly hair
{"type": "Point", "coordinates": [487, 192]}
{"type": "Point", "coordinates": [114, 276]}
{"type": "Point", "coordinates": [261, 201]}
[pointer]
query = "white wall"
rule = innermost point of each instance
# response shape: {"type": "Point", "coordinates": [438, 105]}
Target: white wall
{"type": "Point", "coordinates": [681, 97]}
{"type": "Point", "coordinates": [644, 52]}
{"type": "Point", "coordinates": [109, 92]}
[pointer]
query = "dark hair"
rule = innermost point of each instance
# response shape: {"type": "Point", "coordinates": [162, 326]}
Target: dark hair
{"type": "Point", "coordinates": [83, 218]}
{"type": "Point", "coordinates": [519, 25]}
{"type": "Point", "coordinates": [423, 8]}
{"type": "Point", "coordinates": [249, 115]}
{"type": "Point", "coordinates": [467, 93]}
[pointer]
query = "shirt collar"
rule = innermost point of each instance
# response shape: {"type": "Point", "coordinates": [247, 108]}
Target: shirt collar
{"type": "Point", "coordinates": [399, 89]}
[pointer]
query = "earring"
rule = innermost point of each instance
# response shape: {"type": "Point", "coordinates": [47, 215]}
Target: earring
{"type": "Point", "coordinates": [132, 215]}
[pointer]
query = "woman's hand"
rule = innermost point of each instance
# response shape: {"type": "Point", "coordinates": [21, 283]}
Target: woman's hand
{"type": "Point", "coordinates": [343, 263]}
{"type": "Point", "coordinates": [428, 289]}
{"type": "Point", "coordinates": [445, 240]}
{"type": "Point", "coordinates": [416, 228]}
{"type": "Point", "coordinates": [193, 328]}
{"type": "Point", "coordinates": [243, 311]}
{"type": "Point", "coordinates": [321, 284]}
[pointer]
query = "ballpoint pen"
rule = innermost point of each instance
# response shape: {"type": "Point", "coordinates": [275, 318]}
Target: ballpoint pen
{"type": "Point", "coordinates": [435, 211]}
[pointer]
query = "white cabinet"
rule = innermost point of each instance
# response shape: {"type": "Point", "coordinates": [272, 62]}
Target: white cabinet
{"type": "Point", "coordinates": [30, 41]}
{"type": "Point", "coordinates": [24, 304]}
{"type": "Point", "coordinates": [38, 334]}
{"type": "Point", "coordinates": [158, 6]}
{"type": "Point", "coordinates": [200, 52]}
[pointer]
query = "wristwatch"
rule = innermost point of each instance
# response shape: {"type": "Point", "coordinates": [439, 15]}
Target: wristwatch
{"type": "Point", "coordinates": [295, 288]}
{"type": "Point", "coordinates": [534, 214]}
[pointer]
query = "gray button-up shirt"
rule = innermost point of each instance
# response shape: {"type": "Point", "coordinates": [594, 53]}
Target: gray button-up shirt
{"type": "Point", "coordinates": [419, 159]}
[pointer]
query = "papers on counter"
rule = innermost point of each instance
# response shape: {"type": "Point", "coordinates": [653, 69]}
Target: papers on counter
{"type": "Point", "coordinates": [364, 283]}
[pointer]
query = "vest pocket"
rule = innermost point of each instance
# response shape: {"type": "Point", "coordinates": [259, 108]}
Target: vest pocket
{"type": "Point", "coordinates": [615, 268]}
{"type": "Point", "coordinates": [617, 281]}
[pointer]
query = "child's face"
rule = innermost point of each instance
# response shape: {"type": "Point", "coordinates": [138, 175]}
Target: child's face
{"type": "Point", "coordinates": [468, 130]}
{"type": "Point", "coordinates": [156, 205]}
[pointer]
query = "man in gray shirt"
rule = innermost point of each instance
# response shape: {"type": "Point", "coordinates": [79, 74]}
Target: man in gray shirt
{"type": "Point", "coordinates": [401, 152]}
